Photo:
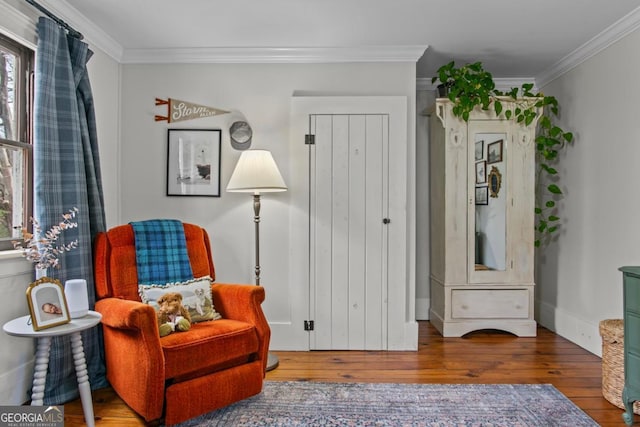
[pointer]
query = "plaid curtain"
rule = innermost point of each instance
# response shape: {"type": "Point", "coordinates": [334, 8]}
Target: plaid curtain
{"type": "Point", "coordinates": [67, 175]}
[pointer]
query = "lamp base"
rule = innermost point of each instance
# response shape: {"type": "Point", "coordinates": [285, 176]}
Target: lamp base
{"type": "Point", "coordinates": [272, 362]}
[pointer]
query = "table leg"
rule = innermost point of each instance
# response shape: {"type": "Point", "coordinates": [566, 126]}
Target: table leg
{"type": "Point", "coordinates": [83, 378]}
{"type": "Point", "coordinates": [40, 371]}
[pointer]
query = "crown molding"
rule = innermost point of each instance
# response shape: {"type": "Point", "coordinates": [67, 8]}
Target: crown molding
{"type": "Point", "coordinates": [502, 84]}
{"type": "Point", "coordinates": [15, 12]}
{"type": "Point", "coordinates": [507, 83]}
{"type": "Point", "coordinates": [624, 26]}
{"type": "Point", "coordinates": [18, 21]}
{"type": "Point", "coordinates": [424, 83]}
{"type": "Point", "coordinates": [410, 53]}
{"type": "Point", "coordinates": [97, 37]}
{"type": "Point", "coordinates": [93, 34]}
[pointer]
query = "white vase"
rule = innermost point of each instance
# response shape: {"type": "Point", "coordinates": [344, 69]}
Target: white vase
{"type": "Point", "coordinates": [75, 291]}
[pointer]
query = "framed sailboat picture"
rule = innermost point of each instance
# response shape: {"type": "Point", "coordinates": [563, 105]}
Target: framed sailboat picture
{"type": "Point", "coordinates": [193, 162]}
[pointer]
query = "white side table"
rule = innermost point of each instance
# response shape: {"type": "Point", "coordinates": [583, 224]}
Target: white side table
{"type": "Point", "coordinates": [21, 327]}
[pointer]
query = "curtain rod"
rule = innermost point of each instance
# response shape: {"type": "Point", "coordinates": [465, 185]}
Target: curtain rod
{"type": "Point", "coordinates": [72, 31]}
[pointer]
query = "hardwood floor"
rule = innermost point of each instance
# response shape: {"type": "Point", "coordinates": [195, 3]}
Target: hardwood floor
{"type": "Point", "coordinates": [482, 357]}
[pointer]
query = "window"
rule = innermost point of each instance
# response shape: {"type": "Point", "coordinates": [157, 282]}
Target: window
{"type": "Point", "coordinates": [16, 96]}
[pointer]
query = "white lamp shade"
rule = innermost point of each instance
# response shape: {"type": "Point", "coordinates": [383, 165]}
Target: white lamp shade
{"type": "Point", "coordinates": [256, 172]}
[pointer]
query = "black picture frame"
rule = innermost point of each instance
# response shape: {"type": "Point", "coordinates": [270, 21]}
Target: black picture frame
{"type": "Point", "coordinates": [481, 172]}
{"type": "Point", "coordinates": [494, 152]}
{"type": "Point", "coordinates": [482, 195]}
{"type": "Point", "coordinates": [193, 162]}
{"type": "Point", "coordinates": [479, 150]}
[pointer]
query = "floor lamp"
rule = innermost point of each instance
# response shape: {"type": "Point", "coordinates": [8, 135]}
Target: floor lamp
{"type": "Point", "coordinates": [256, 172]}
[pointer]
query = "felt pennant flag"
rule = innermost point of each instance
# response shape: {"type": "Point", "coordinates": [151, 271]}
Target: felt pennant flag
{"type": "Point", "coordinates": [178, 111]}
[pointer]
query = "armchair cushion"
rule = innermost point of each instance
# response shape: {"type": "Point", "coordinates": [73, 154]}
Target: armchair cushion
{"type": "Point", "coordinates": [208, 345]}
{"type": "Point", "coordinates": [196, 297]}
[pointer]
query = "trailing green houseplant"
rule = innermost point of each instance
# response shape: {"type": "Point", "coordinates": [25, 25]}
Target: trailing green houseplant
{"type": "Point", "coordinates": [470, 86]}
{"type": "Point", "coordinates": [467, 86]}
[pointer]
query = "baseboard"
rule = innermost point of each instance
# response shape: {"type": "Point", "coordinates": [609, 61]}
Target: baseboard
{"type": "Point", "coordinates": [580, 332]}
{"type": "Point", "coordinates": [422, 308]}
{"type": "Point", "coordinates": [404, 340]}
{"type": "Point", "coordinates": [16, 384]}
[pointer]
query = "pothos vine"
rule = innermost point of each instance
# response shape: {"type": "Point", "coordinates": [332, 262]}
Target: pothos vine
{"type": "Point", "coordinates": [470, 86]}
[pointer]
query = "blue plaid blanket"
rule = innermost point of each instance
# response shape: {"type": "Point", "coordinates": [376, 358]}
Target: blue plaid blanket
{"type": "Point", "coordinates": [161, 252]}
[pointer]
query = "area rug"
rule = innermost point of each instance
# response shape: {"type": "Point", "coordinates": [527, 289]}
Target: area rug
{"type": "Point", "coordinates": [434, 405]}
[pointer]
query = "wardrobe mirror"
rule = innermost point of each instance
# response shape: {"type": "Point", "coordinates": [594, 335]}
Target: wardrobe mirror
{"type": "Point", "coordinates": [490, 201]}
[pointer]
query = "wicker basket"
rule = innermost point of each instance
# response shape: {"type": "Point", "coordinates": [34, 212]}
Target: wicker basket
{"type": "Point", "coordinates": [612, 333]}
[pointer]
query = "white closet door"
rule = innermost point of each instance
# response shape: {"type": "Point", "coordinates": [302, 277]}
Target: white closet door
{"type": "Point", "coordinates": [349, 272]}
{"type": "Point", "coordinates": [349, 178]}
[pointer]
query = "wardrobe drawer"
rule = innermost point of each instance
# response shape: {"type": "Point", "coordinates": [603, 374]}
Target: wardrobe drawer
{"type": "Point", "coordinates": [490, 303]}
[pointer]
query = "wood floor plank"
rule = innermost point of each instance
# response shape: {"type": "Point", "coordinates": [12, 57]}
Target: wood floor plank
{"type": "Point", "coordinates": [483, 357]}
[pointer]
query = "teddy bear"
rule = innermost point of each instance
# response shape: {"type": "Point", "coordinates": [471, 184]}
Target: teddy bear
{"type": "Point", "coordinates": [172, 315]}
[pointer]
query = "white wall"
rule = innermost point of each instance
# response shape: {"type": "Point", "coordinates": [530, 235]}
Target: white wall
{"type": "Point", "coordinates": [104, 74]}
{"type": "Point", "coordinates": [578, 282]}
{"type": "Point", "coordinates": [16, 354]}
{"type": "Point", "coordinates": [18, 20]}
{"type": "Point", "coordinates": [263, 93]}
{"type": "Point", "coordinates": [424, 99]}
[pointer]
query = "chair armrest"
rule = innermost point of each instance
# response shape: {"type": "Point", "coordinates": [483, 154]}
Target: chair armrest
{"type": "Point", "coordinates": [134, 358]}
{"type": "Point", "coordinates": [125, 314]}
{"type": "Point", "coordinates": [238, 302]}
{"type": "Point", "coordinates": [243, 302]}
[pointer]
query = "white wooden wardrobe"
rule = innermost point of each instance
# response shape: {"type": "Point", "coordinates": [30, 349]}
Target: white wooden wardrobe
{"type": "Point", "coordinates": [482, 192]}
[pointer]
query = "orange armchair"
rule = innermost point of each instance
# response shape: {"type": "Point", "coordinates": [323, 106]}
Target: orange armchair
{"type": "Point", "coordinates": [185, 374]}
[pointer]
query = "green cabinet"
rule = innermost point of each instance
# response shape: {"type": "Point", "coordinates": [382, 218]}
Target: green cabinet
{"type": "Point", "coordinates": [631, 292]}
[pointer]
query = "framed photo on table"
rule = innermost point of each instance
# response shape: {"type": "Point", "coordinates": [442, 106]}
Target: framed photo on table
{"type": "Point", "coordinates": [193, 162]}
{"type": "Point", "coordinates": [47, 304]}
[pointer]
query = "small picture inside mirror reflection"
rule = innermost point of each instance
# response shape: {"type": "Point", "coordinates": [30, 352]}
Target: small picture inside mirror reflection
{"type": "Point", "coordinates": [481, 172]}
{"type": "Point", "coordinates": [479, 150]}
{"type": "Point", "coordinates": [494, 152]}
{"type": "Point", "coordinates": [482, 195]}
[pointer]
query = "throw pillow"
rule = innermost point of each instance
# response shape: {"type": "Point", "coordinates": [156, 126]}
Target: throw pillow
{"type": "Point", "coordinates": [196, 297]}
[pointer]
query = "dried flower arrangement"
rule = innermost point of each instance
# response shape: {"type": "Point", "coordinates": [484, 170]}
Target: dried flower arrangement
{"type": "Point", "coordinates": [40, 248]}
